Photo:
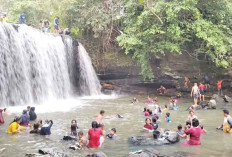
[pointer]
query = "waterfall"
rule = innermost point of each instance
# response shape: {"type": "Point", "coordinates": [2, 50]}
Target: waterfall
{"type": "Point", "coordinates": [89, 82]}
{"type": "Point", "coordinates": [37, 66]}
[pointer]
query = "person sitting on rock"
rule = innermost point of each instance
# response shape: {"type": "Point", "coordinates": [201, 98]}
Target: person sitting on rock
{"type": "Point", "coordinates": [46, 128]}
{"type": "Point", "coordinates": [227, 124]}
{"type": "Point", "coordinates": [181, 132]}
{"type": "Point", "coordinates": [167, 116]}
{"type": "Point", "coordinates": [82, 140]}
{"type": "Point", "coordinates": [194, 132]}
{"type": "Point", "coordinates": [148, 126]}
{"type": "Point", "coordinates": [112, 134]}
{"type": "Point", "coordinates": [15, 126]}
{"type": "Point", "coordinates": [162, 90]}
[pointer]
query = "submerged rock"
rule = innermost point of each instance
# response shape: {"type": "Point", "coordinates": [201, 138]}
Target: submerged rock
{"type": "Point", "coordinates": [47, 152]}
{"type": "Point", "coordinates": [149, 152]}
{"type": "Point", "coordinates": [169, 137]}
{"type": "Point", "coordinates": [97, 154]}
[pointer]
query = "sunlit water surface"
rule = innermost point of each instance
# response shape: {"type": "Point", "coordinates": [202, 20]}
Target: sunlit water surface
{"type": "Point", "coordinates": [214, 143]}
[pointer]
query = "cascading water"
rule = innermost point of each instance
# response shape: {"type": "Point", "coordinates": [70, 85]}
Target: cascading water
{"type": "Point", "coordinates": [36, 66]}
{"type": "Point", "coordinates": [89, 82]}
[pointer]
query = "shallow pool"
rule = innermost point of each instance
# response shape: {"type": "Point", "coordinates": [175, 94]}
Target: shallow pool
{"type": "Point", "coordinates": [214, 143]}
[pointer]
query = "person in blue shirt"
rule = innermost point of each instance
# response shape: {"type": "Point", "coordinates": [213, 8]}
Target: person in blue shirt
{"type": "Point", "coordinates": [56, 25]}
{"type": "Point", "coordinates": [23, 18]}
{"type": "Point", "coordinates": [167, 116]}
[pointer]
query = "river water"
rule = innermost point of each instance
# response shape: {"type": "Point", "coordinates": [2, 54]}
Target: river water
{"type": "Point", "coordinates": [214, 143]}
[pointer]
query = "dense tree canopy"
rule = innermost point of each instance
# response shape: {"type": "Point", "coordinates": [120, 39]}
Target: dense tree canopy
{"type": "Point", "coordinates": [145, 29]}
{"type": "Point", "coordinates": [154, 27]}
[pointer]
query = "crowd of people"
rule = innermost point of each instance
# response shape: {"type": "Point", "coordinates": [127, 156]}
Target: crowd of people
{"type": "Point", "coordinates": [93, 139]}
{"type": "Point", "coordinates": [44, 25]}
{"type": "Point", "coordinates": [193, 130]}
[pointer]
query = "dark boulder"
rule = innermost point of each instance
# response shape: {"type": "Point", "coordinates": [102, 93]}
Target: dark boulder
{"type": "Point", "coordinates": [228, 99]}
{"type": "Point", "coordinates": [47, 152]}
{"type": "Point", "coordinates": [97, 154]}
{"type": "Point", "coordinates": [169, 137]}
{"type": "Point", "coordinates": [69, 138]}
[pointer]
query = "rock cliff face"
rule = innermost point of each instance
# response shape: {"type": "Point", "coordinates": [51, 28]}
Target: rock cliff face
{"type": "Point", "coordinates": [169, 71]}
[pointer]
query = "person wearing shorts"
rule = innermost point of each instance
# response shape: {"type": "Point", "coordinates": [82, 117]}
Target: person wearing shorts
{"type": "Point", "coordinates": [202, 91]}
{"type": "Point", "coordinates": [195, 93]}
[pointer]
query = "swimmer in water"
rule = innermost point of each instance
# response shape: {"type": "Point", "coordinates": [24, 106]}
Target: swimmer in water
{"type": "Point", "coordinates": [100, 117]}
{"type": "Point", "coordinates": [167, 116]}
{"type": "Point", "coordinates": [112, 135]}
{"type": "Point", "coordinates": [15, 126]}
{"type": "Point", "coordinates": [134, 100]}
{"type": "Point", "coordinates": [148, 125]}
{"type": "Point", "coordinates": [180, 132]}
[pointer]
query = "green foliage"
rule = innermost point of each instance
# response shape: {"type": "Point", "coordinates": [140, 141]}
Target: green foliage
{"type": "Point", "coordinates": [148, 29]}
{"type": "Point", "coordinates": [169, 26]}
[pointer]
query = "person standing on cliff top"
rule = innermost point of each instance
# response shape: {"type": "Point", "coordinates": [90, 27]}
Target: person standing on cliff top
{"type": "Point", "coordinates": [22, 18]}
{"type": "Point", "coordinates": [56, 25]}
{"type": "Point", "coordinates": [195, 93]}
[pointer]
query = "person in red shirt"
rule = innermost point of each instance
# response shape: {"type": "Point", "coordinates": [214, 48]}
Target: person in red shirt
{"type": "Point", "coordinates": [195, 134]}
{"type": "Point", "coordinates": [148, 125]}
{"type": "Point", "coordinates": [202, 91]}
{"type": "Point", "coordinates": [219, 86]}
{"type": "Point", "coordinates": [94, 135]}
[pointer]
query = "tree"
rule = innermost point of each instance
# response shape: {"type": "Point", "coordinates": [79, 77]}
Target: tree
{"type": "Point", "coordinates": [157, 27]}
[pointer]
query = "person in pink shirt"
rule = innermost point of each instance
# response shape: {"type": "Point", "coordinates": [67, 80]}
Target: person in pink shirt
{"type": "Point", "coordinates": [149, 100]}
{"type": "Point", "coordinates": [202, 91]}
{"type": "Point", "coordinates": [195, 134]}
{"type": "Point", "coordinates": [148, 125]}
{"type": "Point", "coordinates": [146, 112]}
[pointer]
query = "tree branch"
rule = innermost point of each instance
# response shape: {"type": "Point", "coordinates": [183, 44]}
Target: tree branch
{"type": "Point", "coordinates": [154, 13]}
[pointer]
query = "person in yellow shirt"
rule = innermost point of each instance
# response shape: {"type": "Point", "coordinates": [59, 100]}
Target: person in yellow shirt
{"type": "Point", "coordinates": [4, 18]}
{"type": "Point", "coordinates": [14, 127]}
